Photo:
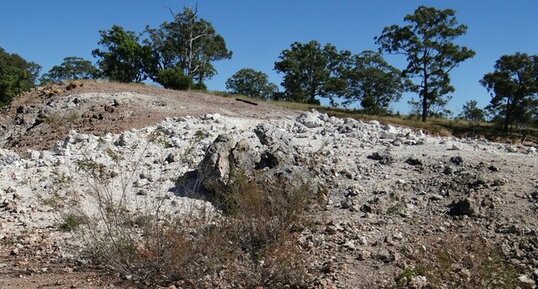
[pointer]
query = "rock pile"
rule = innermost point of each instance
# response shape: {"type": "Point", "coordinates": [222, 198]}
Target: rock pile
{"type": "Point", "coordinates": [386, 185]}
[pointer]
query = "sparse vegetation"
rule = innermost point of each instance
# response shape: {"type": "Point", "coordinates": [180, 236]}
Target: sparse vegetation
{"type": "Point", "coordinates": [436, 126]}
{"type": "Point", "coordinates": [72, 221]}
{"type": "Point", "coordinates": [252, 242]}
{"type": "Point", "coordinates": [458, 261]}
{"type": "Point", "coordinates": [56, 121]}
{"type": "Point", "coordinates": [280, 199]}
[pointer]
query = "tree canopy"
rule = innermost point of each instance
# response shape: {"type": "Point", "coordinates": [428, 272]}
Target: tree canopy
{"type": "Point", "coordinates": [250, 82]}
{"type": "Point", "coordinates": [428, 44]}
{"type": "Point", "coordinates": [311, 71]}
{"type": "Point", "coordinates": [513, 86]}
{"type": "Point", "coordinates": [123, 59]}
{"type": "Point", "coordinates": [71, 68]}
{"type": "Point", "coordinates": [16, 76]}
{"type": "Point", "coordinates": [189, 43]}
{"type": "Point", "coordinates": [373, 82]}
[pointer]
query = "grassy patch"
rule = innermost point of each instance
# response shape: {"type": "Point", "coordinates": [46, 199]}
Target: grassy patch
{"type": "Point", "coordinates": [71, 222]}
{"type": "Point", "coordinates": [56, 121]}
{"type": "Point", "coordinates": [458, 261]}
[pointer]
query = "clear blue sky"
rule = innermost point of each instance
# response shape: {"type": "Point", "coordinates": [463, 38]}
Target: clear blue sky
{"type": "Point", "coordinates": [257, 31]}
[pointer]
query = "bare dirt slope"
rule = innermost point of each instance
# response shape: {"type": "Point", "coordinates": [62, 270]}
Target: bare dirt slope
{"type": "Point", "coordinates": [40, 118]}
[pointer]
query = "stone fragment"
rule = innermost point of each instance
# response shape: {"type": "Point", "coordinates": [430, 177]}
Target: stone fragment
{"type": "Point", "coordinates": [465, 207]}
{"type": "Point", "coordinates": [457, 160]}
{"type": "Point", "coordinates": [310, 119]}
{"type": "Point", "coordinates": [413, 161]}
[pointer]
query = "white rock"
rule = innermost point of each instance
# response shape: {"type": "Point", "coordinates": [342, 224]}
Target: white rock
{"type": "Point", "coordinates": [310, 119]}
{"type": "Point", "coordinates": [525, 279]}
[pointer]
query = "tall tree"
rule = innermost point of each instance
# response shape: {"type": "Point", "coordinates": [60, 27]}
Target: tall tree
{"type": "Point", "coordinates": [513, 87]}
{"type": "Point", "coordinates": [428, 43]}
{"type": "Point", "coordinates": [188, 42]}
{"type": "Point", "coordinates": [250, 82]}
{"type": "Point", "coordinates": [16, 76]}
{"type": "Point", "coordinates": [71, 68]}
{"type": "Point", "coordinates": [123, 59]}
{"type": "Point", "coordinates": [373, 82]}
{"type": "Point", "coordinates": [312, 71]}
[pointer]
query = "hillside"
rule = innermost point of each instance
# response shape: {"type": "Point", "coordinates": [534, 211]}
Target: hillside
{"type": "Point", "coordinates": [41, 117]}
{"type": "Point", "coordinates": [386, 206]}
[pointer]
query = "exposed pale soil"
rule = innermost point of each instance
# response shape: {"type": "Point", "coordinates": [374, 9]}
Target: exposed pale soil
{"type": "Point", "coordinates": [103, 107]}
{"type": "Point", "coordinates": [379, 210]}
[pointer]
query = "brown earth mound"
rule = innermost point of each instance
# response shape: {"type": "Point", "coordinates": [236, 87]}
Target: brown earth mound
{"type": "Point", "coordinates": [40, 118]}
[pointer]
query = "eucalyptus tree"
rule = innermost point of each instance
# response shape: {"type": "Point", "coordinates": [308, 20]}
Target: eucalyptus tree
{"type": "Point", "coordinates": [312, 71]}
{"type": "Point", "coordinates": [123, 58]}
{"type": "Point", "coordinates": [189, 43]}
{"type": "Point", "coordinates": [250, 82]}
{"type": "Point", "coordinates": [373, 82]}
{"type": "Point", "coordinates": [71, 68]}
{"type": "Point", "coordinates": [427, 41]}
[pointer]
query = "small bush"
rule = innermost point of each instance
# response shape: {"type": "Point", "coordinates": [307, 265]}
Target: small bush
{"type": "Point", "coordinates": [264, 224]}
{"type": "Point", "coordinates": [174, 79]}
{"type": "Point", "coordinates": [199, 86]}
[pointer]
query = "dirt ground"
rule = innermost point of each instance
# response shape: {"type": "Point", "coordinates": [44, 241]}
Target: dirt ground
{"type": "Point", "coordinates": [403, 192]}
{"type": "Point", "coordinates": [40, 118]}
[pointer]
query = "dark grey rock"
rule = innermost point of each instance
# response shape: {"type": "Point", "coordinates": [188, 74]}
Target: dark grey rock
{"type": "Point", "coordinates": [457, 160]}
{"type": "Point", "coordinates": [465, 207]}
{"type": "Point", "coordinates": [413, 161]}
{"type": "Point", "coordinates": [383, 158]}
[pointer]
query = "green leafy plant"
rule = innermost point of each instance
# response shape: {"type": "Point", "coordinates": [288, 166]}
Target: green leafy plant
{"type": "Point", "coordinates": [428, 43]}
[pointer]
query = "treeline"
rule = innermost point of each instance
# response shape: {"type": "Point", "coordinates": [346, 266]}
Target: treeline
{"type": "Point", "coordinates": [180, 54]}
{"type": "Point", "coordinates": [16, 76]}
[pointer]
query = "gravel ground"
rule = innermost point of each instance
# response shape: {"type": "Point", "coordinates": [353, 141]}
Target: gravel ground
{"type": "Point", "coordinates": [391, 190]}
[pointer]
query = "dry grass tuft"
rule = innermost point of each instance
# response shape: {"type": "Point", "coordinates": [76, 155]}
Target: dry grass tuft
{"type": "Point", "coordinates": [458, 261]}
{"type": "Point", "coordinates": [252, 241]}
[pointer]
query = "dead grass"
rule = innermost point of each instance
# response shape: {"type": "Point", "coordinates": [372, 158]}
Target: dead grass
{"type": "Point", "coordinates": [436, 126]}
{"type": "Point", "coordinates": [56, 121]}
{"type": "Point", "coordinates": [458, 261]}
{"type": "Point", "coordinates": [252, 241]}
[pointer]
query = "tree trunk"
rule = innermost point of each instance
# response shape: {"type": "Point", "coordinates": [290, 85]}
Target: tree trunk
{"type": "Point", "coordinates": [190, 59]}
{"type": "Point", "coordinates": [425, 92]}
{"type": "Point", "coordinates": [508, 116]}
{"type": "Point", "coordinates": [425, 100]}
{"type": "Point", "coordinates": [424, 108]}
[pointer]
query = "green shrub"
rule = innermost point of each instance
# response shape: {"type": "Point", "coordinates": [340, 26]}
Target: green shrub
{"type": "Point", "coordinates": [199, 86]}
{"type": "Point", "coordinates": [174, 79]}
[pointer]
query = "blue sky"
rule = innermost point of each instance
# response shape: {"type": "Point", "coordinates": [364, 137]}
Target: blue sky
{"type": "Point", "coordinates": [257, 31]}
